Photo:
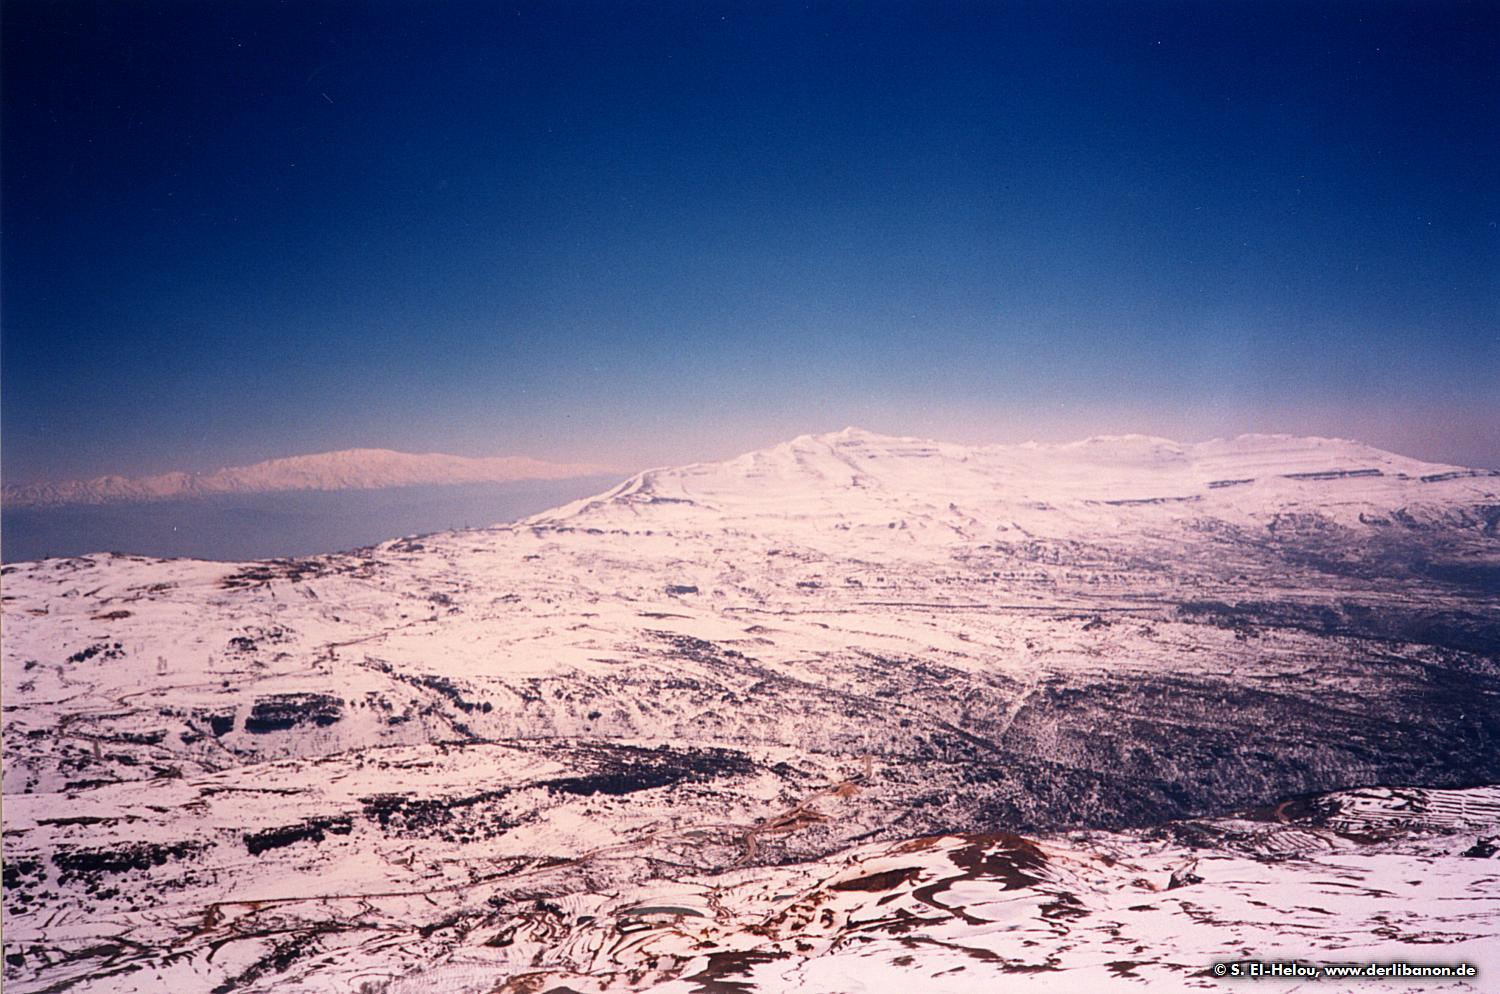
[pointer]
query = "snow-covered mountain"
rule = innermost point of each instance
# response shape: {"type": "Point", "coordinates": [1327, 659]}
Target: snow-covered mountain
{"type": "Point", "coordinates": [925, 716]}
{"type": "Point", "coordinates": [349, 469]}
{"type": "Point", "coordinates": [853, 479]}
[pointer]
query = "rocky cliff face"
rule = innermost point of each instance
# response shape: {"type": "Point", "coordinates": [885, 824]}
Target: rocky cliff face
{"type": "Point", "coordinates": [818, 652]}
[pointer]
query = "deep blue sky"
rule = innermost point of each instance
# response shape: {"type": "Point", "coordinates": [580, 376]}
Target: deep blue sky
{"type": "Point", "coordinates": [646, 233]}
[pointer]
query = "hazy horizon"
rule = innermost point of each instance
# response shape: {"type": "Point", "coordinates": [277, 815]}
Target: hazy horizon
{"type": "Point", "coordinates": [324, 506]}
{"type": "Point", "coordinates": [624, 470]}
{"type": "Point", "coordinates": [240, 527]}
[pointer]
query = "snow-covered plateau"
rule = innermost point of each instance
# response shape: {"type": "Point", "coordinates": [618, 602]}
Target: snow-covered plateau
{"type": "Point", "coordinates": [853, 713]}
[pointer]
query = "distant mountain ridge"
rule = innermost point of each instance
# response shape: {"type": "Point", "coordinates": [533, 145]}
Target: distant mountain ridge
{"type": "Point", "coordinates": [853, 481]}
{"type": "Point", "coordinates": [850, 706]}
{"type": "Point", "coordinates": [347, 469]}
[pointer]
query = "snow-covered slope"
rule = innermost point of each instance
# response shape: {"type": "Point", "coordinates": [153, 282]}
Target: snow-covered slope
{"type": "Point", "coordinates": [855, 478]}
{"type": "Point", "coordinates": [469, 761]}
{"type": "Point", "coordinates": [350, 469]}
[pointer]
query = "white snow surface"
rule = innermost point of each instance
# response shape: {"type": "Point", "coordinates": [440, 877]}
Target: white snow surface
{"type": "Point", "coordinates": [693, 735]}
{"type": "Point", "coordinates": [854, 479]}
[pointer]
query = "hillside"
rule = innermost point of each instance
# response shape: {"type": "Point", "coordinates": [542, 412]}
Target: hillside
{"type": "Point", "coordinates": [852, 696]}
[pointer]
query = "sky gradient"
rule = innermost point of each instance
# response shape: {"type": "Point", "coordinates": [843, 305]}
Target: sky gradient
{"type": "Point", "coordinates": [640, 234]}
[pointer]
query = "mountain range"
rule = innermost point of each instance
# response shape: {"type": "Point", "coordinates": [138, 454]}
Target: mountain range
{"type": "Point", "coordinates": [348, 469]}
{"type": "Point", "coordinates": [850, 710]}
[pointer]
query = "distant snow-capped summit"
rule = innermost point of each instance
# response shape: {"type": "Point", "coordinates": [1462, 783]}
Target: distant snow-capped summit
{"type": "Point", "coordinates": [853, 478]}
{"type": "Point", "coordinates": [348, 469]}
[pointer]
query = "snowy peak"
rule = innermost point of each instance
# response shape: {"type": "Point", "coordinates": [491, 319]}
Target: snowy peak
{"type": "Point", "coordinates": [349, 469]}
{"type": "Point", "coordinates": [849, 710]}
{"type": "Point", "coordinates": [846, 474]}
